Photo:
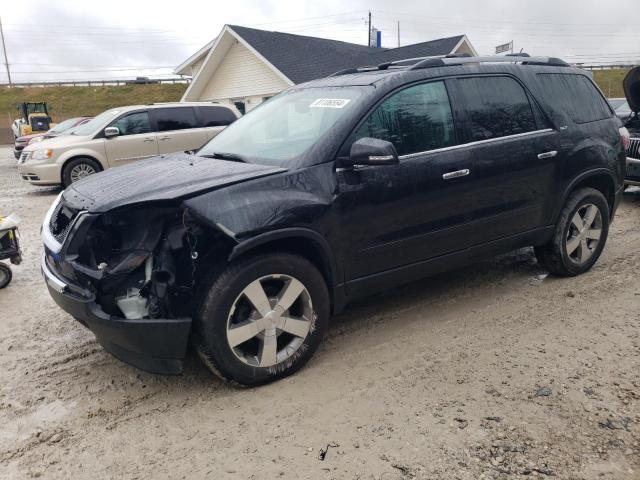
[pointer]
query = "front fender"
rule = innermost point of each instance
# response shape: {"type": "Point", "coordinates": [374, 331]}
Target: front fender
{"type": "Point", "coordinates": [301, 198]}
{"type": "Point", "coordinates": [95, 154]}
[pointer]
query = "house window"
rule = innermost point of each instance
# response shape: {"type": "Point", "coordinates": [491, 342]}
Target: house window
{"type": "Point", "coordinates": [240, 105]}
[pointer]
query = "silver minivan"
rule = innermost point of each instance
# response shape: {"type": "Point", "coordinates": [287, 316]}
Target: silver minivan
{"type": "Point", "coordinates": [122, 135]}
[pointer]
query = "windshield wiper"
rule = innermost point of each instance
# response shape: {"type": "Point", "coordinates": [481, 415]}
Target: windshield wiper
{"type": "Point", "coordinates": [226, 156]}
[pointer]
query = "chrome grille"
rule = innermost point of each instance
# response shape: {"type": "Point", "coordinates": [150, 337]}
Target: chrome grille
{"type": "Point", "coordinates": [634, 149]}
{"type": "Point", "coordinates": [61, 222]}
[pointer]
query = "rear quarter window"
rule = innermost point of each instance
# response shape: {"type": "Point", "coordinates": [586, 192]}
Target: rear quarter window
{"type": "Point", "coordinates": [575, 95]}
{"type": "Point", "coordinates": [216, 116]}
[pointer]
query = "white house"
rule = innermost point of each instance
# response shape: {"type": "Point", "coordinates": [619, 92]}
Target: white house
{"type": "Point", "coordinates": [244, 66]}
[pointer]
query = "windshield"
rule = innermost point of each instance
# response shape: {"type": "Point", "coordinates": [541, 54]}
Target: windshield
{"type": "Point", "coordinates": [95, 124]}
{"type": "Point", "coordinates": [63, 126]}
{"type": "Point", "coordinates": [285, 126]}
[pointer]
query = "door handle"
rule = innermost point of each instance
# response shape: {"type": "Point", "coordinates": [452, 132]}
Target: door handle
{"type": "Point", "coordinates": [456, 174]}
{"type": "Point", "coordinates": [551, 154]}
{"type": "Point", "coordinates": [148, 140]}
{"type": "Point", "coordinates": [165, 138]}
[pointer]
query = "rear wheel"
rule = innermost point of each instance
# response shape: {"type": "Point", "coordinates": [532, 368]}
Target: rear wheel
{"type": "Point", "coordinates": [78, 169]}
{"type": "Point", "coordinates": [261, 319]}
{"type": "Point", "coordinates": [580, 234]}
{"type": "Point", "coordinates": [5, 275]}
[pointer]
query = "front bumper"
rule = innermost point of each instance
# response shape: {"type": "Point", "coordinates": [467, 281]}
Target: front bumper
{"type": "Point", "coordinates": [154, 345]}
{"type": "Point", "coordinates": [40, 172]}
{"type": "Point", "coordinates": [633, 171]}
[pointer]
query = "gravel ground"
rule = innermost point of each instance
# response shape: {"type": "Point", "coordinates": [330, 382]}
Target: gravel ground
{"type": "Point", "coordinates": [491, 371]}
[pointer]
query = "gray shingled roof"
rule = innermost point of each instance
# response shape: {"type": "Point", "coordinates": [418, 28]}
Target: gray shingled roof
{"type": "Point", "coordinates": [302, 58]}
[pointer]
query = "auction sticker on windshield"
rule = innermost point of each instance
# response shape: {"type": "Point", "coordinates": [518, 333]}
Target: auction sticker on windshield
{"type": "Point", "coordinates": [329, 103]}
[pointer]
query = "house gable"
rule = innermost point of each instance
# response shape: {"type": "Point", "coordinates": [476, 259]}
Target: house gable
{"type": "Point", "coordinates": [241, 73]}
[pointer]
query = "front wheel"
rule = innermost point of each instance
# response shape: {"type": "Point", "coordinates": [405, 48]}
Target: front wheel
{"type": "Point", "coordinates": [78, 169]}
{"type": "Point", "coordinates": [261, 319]}
{"type": "Point", "coordinates": [579, 236]}
{"type": "Point", "coordinates": [5, 275]}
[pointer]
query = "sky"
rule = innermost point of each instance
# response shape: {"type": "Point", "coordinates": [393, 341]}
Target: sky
{"type": "Point", "coordinates": [87, 39]}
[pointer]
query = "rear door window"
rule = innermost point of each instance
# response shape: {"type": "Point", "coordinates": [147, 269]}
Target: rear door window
{"type": "Point", "coordinates": [494, 107]}
{"type": "Point", "coordinates": [576, 95]}
{"type": "Point", "coordinates": [133, 123]}
{"type": "Point", "coordinates": [216, 116]}
{"type": "Point", "coordinates": [416, 119]}
{"type": "Point", "coordinates": [178, 118]}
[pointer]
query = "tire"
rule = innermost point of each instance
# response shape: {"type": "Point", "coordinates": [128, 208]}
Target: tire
{"type": "Point", "coordinates": [573, 250]}
{"type": "Point", "coordinates": [224, 305]}
{"type": "Point", "coordinates": [5, 275]}
{"type": "Point", "coordinates": [77, 169]}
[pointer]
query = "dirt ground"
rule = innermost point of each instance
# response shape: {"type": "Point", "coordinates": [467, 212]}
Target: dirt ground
{"type": "Point", "coordinates": [492, 371]}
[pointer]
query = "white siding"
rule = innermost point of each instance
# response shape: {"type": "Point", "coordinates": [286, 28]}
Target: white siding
{"type": "Point", "coordinates": [241, 74]}
{"type": "Point", "coordinates": [196, 66]}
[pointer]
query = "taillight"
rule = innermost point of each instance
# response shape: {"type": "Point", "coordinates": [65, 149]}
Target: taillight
{"type": "Point", "coordinates": [625, 137]}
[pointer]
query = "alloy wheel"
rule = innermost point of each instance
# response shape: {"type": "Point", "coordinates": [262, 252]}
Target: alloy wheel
{"type": "Point", "coordinates": [81, 171]}
{"type": "Point", "coordinates": [270, 320]}
{"type": "Point", "coordinates": [583, 236]}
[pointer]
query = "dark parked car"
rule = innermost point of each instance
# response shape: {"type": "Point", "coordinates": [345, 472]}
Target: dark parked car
{"type": "Point", "coordinates": [632, 122]}
{"type": "Point", "coordinates": [337, 188]}
{"type": "Point", "coordinates": [63, 128]}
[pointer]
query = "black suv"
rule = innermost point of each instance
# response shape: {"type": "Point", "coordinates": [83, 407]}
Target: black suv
{"type": "Point", "coordinates": [334, 189]}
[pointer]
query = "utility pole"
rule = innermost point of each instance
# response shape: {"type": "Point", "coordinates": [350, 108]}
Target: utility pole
{"type": "Point", "coordinates": [369, 32]}
{"type": "Point", "coordinates": [398, 33]}
{"type": "Point", "coordinates": [4, 49]}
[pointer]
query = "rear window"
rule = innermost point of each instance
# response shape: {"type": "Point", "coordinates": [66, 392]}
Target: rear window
{"type": "Point", "coordinates": [495, 107]}
{"type": "Point", "coordinates": [575, 95]}
{"type": "Point", "coordinates": [216, 116]}
{"type": "Point", "coordinates": [175, 118]}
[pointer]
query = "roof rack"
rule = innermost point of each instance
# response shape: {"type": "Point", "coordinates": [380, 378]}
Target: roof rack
{"type": "Point", "coordinates": [457, 59]}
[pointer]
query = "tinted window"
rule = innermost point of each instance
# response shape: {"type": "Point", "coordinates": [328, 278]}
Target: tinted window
{"type": "Point", "coordinates": [416, 119]}
{"type": "Point", "coordinates": [216, 116]}
{"type": "Point", "coordinates": [175, 118]}
{"type": "Point", "coordinates": [495, 107]}
{"type": "Point", "coordinates": [133, 123]}
{"type": "Point", "coordinates": [575, 95]}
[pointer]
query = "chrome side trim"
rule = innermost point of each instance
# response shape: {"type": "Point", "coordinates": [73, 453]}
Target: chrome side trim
{"type": "Point", "coordinates": [635, 161]}
{"type": "Point", "coordinates": [473, 144]}
{"type": "Point", "coordinates": [53, 281]}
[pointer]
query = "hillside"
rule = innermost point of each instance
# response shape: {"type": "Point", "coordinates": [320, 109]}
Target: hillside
{"type": "Point", "coordinates": [610, 81]}
{"type": "Point", "coordinates": [66, 102]}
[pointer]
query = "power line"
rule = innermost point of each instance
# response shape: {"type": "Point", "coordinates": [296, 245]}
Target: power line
{"type": "Point", "coordinates": [4, 49]}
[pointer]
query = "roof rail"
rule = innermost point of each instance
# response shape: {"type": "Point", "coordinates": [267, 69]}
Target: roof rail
{"type": "Point", "coordinates": [524, 59]}
{"type": "Point", "coordinates": [457, 59]}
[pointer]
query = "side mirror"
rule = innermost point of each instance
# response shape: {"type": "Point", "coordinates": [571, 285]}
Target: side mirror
{"type": "Point", "coordinates": [372, 151]}
{"type": "Point", "coordinates": [111, 132]}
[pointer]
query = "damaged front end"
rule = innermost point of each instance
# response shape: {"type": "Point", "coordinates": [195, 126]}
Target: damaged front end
{"type": "Point", "coordinates": [130, 276]}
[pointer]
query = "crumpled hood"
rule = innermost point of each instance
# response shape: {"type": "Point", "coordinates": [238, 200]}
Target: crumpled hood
{"type": "Point", "coordinates": [631, 85]}
{"type": "Point", "coordinates": [165, 177]}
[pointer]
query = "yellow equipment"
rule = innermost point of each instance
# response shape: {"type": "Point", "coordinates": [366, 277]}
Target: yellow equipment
{"type": "Point", "coordinates": [35, 118]}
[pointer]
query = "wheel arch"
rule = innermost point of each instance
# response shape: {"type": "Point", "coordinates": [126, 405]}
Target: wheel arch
{"type": "Point", "coordinates": [600, 179]}
{"type": "Point", "coordinates": [301, 241]}
{"type": "Point", "coordinates": [75, 157]}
